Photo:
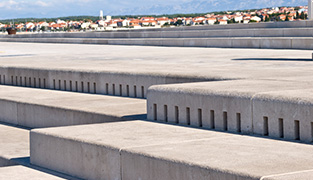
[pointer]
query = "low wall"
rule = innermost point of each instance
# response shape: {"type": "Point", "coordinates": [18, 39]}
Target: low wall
{"type": "Point", "coordinates": [108, 83]}
{"type": "Point", "coordinates": [235, 106]}
{"type": "Point", "coordinates": [235, 42]}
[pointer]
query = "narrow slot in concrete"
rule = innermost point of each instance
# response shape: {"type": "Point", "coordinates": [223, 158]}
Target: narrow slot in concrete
{"type": "Point", "coordinates": [142, 91]}
{"type": "Point", "coordinates": [135, 91]}
{"type": "Point", "coordinates": [188, 115]}
{"type": "Point", "coordinates": [121, 90]}
{"type": "Point", "coordinates": [225, 123]}
{"type": "Point", "coordinates": [82, 88]}
{"type": "Point", "coordinates": [200, 117]}
{"type": "Point", "coordinates": [281, 127]}
{"type": "Point", "coordinates": [107, 88]}
{"type": "Point", "coordinates": [127, 90]}
{"type": "Point", "coordinates": [297, 130]}
{"type": "Point", "coordinates": [212, 119]}
{"type": "Point", "coordinates": [265, 126]}
{"type": "Point", "coordinates": [165, 113]}
{"type": "Point", "coordinates": [238, 122]}
{"type": "Point", "coordinates": [71, 86]}
{"type": "Point", "coordinates": [113, 89]}
{"type": "Point", "coordinates": [88, 87]}
{"type": "Point", "coordinates": [176, 115]}
{"type": "Point", "coordinates": [155, 112]}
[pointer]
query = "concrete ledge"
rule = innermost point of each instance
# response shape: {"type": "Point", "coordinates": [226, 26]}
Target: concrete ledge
{"type": "Point", "coordinates": [224, 106]}
{"type": "Point", "coordinates": [222, 42]}
{"type": "Point", "coordinates": [49, 108]}
{"type": "Point", "coordinates": [147, 150]}
{"type": "Point", "coordinates": [117, 83]}
{"type": "Point", "coordinates": [284, 114]}
{"type": "Point", "coordinates": [93, 152]}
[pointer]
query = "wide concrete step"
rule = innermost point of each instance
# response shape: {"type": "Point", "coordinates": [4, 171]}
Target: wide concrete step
{"type": "Point", "coordinates": [47, 108]}
{"type": "Point", "coordinates": [260, 32]}
{"type": "Point", "coordinates": [278, 109]}
{"type": "Point", "coordinates": [148, 150]}
{"type": "Point", "coordinates": [233, 42]}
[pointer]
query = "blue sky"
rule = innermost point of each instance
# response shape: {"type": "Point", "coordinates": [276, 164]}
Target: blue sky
{"type": "Point", "coordinates": [58, 8]}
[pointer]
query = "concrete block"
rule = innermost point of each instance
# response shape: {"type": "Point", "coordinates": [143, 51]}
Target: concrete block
{"type": "Point", "coordinates": [217, 33]}
{"type": "Point", "coordinates": [276, 43]}
{"type": "Point", "coordinates": [302, 43]}
{"type": "Point", "coordinates": [71, 108]}
{"type": "Point", "coordinates": [173, 42]}
{"type": "Point", "coordinates": [231, 158]}
{"type": "Point", "coordinates": [284, 114]}
{"type": "Point", "coordinates": [195, 42]}
{"type": "Point", "coordinates": [93, 152]}
{"type": "Point", "coordinates": [219, 42]}
{"type": "Point", "coordinates": [297, 32]}
{"type": "Point", "coordinates": [224, 106]}
{"type": "Point", "coordinates": [273, 32]}
{"type": "Point", "coordinates": [242, 33]}
{"type": "Point", "coordinates": [246, 42]}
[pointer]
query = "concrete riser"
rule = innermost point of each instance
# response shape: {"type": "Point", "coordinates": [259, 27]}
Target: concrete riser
{"type": "Point", "coordinates": [117, 84]}
{"type": "Point", "coordinates": [282, 120]}
{"type": "Point", "coordinates": [38, 116]}
{"type": "Point", "coordinates": [253, 42]}
{"type": "Point", "coordinates": [274, 32]}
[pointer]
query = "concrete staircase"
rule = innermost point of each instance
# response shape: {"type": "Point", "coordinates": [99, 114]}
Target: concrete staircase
{"type": "Point", "coordinates": [273, 35]}
{"type": "Point", "coordinates": [67, 119]}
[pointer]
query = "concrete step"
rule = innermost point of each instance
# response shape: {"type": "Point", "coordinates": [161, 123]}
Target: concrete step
{"type": "Point", "coordinates": [47, 108]}
{"type": "Point", "coordinates": [233, 42]}
{"type": "Point", "coordinates": [259, 32]}
{"type": "Point", "coordinates": [278, 109]}
{"type": "Point", "coordinates": [148, 150]}
{"type": "Point", "coordinates": [126, 82]}
{"type": "Point", "coordinates": [15, 156]}
{"type": "Point", "coordinates": [14, 145]}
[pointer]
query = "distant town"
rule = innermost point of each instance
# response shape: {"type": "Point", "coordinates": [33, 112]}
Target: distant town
{"type": "Point", "coordinates": [108, 23]}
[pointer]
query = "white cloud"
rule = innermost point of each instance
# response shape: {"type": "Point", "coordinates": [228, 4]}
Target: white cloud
{"type": "Point", "coordinates": [43, 4]}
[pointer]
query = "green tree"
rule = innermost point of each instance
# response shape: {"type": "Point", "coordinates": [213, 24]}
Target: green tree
{"type": "Point", "coordinates": [302, 15]}
{"type": "Point", "coordinates": [297, 15]}
{"type": "Point", "coordinates": [267, 19]}
{"type": "Point", "coordinates": [179, 22]}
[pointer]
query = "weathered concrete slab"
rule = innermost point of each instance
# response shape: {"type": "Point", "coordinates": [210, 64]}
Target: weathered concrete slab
{"type": "Point", "coordinates": [14, 145]}
{"type": "Point", "coordinates": [48, 108]}
{"type": "Point", "coordinates": [147, 150]}
{"type": "Point", "coordinates": [146, 66]}
{"type": "Point", "coordinates": [93, 152]}
{"type": "Point", "coordinates": [234, 158]}
{"type": "Point", "coordinates": [24, 173]}
{"type": "Point", "coordinates": [225, 105]}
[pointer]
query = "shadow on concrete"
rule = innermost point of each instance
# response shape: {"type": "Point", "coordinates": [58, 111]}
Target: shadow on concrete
{"type": "Point", "coordinates": [17, 55]}
{"type": "Point", "coordinates": [136, 117]}
{"type": "Point", "coordinates": [14, 125]}
{"type": "Point", "coordinates": [25, 161]}
{"type": "Point", "coordinates": [272, 59]}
